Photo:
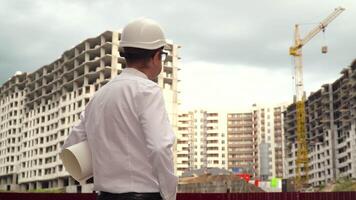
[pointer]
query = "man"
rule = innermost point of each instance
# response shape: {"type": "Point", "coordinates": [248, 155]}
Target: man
{"type": "Point", "coordinates": [126, 124]}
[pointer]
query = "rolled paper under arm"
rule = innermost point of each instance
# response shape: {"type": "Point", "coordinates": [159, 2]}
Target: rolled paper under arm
{"type": "Point", "coordinates": [77, 161]}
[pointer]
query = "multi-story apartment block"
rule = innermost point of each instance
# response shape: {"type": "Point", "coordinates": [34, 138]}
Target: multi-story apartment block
{"type": "Point", "coordinates": [319, 128]}
{"type": "Point", "coordinates": [185, 143]}
{"type": "Point", "coordinates": [330, 125]}
{"type": "Point", "coordinates": [39, 109]}
{"type": "Point", "coordinates": [242, 143]}
{"type": "Point", "coordinates": [201, 141]}
{"type": "Point", "coordinates": [12, 101]}
{"type": "Point", "coordinates": [268, 128]}
{"type": "Point", "coordinates": [214, 141]}
{"type": "Point", "coordinates": [344, 111]}
{"type": "Point", "coordinates": [246, 142]}
{"type": "Point", "coordinates": [255, 141]}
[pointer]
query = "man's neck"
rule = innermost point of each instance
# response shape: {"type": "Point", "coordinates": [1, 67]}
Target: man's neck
{"type": "Point", "coordinates": [142, 69]}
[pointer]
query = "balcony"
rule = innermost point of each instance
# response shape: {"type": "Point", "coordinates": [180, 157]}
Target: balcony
{"type": "Point", "coordinates": [212, 145]}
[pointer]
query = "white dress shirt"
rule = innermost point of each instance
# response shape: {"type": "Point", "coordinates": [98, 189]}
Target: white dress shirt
{"type": "Point", "coordinates": [130, 137]}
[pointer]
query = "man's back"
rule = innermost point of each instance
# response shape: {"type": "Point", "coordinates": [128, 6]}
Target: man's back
{"type": "Point", "coordinates": [126, 123]}
{"type": "Point", "coordinates": [116, 137]}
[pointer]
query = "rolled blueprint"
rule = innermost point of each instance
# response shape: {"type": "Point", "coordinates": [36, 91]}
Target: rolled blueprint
{"type": "Point", "coordinates": [77, 161]}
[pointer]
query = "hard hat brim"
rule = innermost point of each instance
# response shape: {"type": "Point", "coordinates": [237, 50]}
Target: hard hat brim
{"type": "Point", "coordinates": [144, 45]}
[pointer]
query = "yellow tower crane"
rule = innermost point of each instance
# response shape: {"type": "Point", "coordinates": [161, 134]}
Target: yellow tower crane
{"type": "Point", "coordinates": [301, 179]}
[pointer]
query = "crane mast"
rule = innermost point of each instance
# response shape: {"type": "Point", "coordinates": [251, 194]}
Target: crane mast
{"type": "Point", "coordinates": [301, 179]}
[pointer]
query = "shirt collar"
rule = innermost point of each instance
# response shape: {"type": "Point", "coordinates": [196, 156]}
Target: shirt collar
{"type": "Point", "coordinates": [135, 72]}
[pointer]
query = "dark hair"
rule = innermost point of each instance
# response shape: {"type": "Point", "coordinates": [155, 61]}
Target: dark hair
{"type": "Point", "coordinates": [132, 54]}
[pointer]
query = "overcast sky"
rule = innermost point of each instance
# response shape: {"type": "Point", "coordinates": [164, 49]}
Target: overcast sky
{"type": "Point", "coordinates": [234, 53]}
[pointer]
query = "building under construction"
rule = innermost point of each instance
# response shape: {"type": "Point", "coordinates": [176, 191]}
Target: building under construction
{"type": "Point", "coordinates": [331, 136]}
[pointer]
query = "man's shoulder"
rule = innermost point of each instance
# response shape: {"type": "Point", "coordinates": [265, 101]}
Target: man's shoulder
{"type": "Point", "coordinates": [134, 81]}
{"type": "Point", "coordinates": [148, 87]}
{"type": "Point", "coordinates": [147, 83]}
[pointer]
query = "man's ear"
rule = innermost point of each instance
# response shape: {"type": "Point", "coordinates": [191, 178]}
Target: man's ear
{"type": "Point", "coordinates": [157, 57]}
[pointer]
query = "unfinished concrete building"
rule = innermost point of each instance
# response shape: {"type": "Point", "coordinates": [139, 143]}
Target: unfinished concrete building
{"type": "Point", "coordinates": [48, 103]}
{"type": "Point", "coordinates": [345, 122]}
{"type": "Point", "coordinates": [319, 129]}
{"type": "Point", "coordinates": [290, 144]}
{"type": "Point", "coordinates": [319, 126]}
{"type": "Point", "coordinates": [12, 101]}
{"type": "Point", "coordinates": [330, 125]}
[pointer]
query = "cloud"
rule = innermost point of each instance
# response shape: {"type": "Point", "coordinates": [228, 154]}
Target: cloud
{"type": "Point", "coordinates": [214, 86]}
{"type": "Point", "coordinates": [232, 34]}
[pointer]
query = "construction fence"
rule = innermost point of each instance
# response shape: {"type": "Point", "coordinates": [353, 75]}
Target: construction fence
{"type": "Point", "coordinates": [195, 196]}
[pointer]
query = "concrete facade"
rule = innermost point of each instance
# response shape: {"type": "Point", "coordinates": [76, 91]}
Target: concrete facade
{"type": "Point", "coordinates": [39, 109]}
{"type": "Point", "coordinates": [256, 141]}
{"type": "Point", "coordinates": [242, 143]}
{"type": "Point", "coordinates": [268, 127]}
{"type": "Point", "coordinates": [12, 101]}
{"type": "Point", "coordinates": [185, 143]}
{"type": "Point", "coordinates": [201, 141]}
{"type": "Point", "coordinates": [330, 125]}
{"type": "Point", "coordinates": [231, 141]}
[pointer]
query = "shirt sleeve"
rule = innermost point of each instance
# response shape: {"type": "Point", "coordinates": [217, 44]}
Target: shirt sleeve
{"type": "Point", "coordinates": [159, 138]}
{"type": "Point", "coordinates": [77, 134]}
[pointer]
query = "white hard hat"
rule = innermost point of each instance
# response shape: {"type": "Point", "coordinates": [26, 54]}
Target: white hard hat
{"type": "Point", "coordinates": [142, 33]}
